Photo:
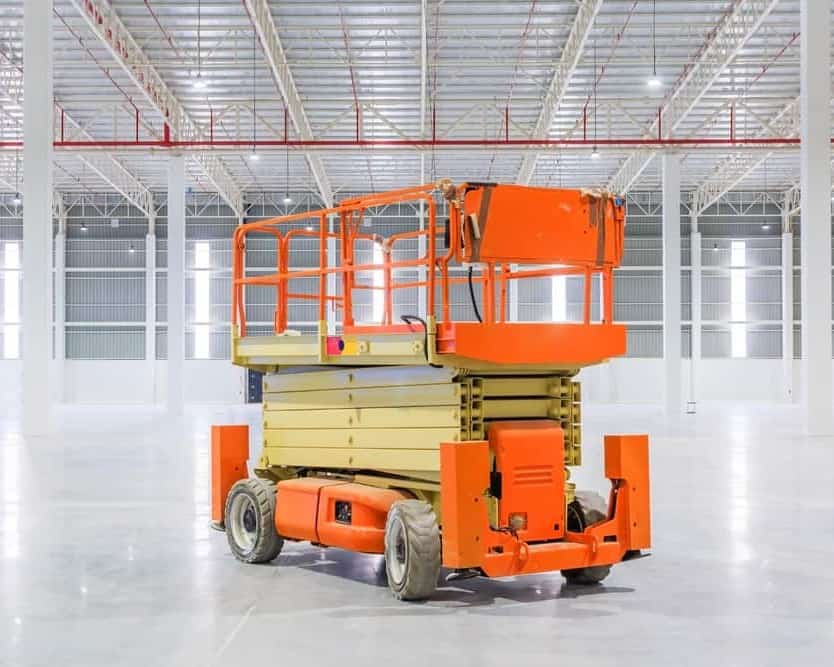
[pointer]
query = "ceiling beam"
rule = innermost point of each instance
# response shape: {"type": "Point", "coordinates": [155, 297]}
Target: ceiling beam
{"type": "Point", "coordinates": [59, 210]}
{"type": "Point", "coordinates": [720, 49]}
{"type": "Point", "coordinates": [103, 21]}
{"type": "Point", "coordinates": [583, 23]}
{"type": "Point", "coordinates": [108, 168]}
{"type": "Point", "coordinates": [791, 200]}
{"type": "Point", "coordinates": [261, 17]}
{"type": "Point", "coordinates": [113, 172]}
{"type": "Point", "coordinates": [735, 168]}
{"type": "Point", "coordinates": [792, 197]}
{"type": "Point", "coordinates": [119, 177]}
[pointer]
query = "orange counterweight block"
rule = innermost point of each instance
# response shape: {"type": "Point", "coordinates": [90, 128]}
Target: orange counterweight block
{"type": "Point", "coordinates": [229, 453]}
{"type": "Point", "coordinates": [531, 535]}
{"type": "Point", "coordinates": [515, 223]}
{"type": "Point", "coordinates": [334, 513]}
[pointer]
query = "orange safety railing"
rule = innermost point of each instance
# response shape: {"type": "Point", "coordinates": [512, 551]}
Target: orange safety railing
{"type": "Point", "coordinates": [347, 220]}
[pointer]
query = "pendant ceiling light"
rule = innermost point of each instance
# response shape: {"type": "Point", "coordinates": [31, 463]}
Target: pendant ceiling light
{"type": "Point", "coordinates": [595, 153]}
{"type": "Point", "coordinates": [654, 80]}
{"type": "Point", "coordinates": [254, 154]}
{"type": "Point", "coordinates": [197, 80]}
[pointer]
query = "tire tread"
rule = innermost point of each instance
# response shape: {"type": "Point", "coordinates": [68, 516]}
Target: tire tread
{"type": "Point", "coordinates": [268, 543]}
{"type": "Point", "coordinates": [594, 509]}
{"type": "Point", "coordinates": [420, 578]}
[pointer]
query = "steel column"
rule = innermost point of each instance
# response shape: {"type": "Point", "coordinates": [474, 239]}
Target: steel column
{"type": "Point", "coordinates": [59, 317]}
{"type": "Point", "coordinates": [176, 283]}
{"type": "Point", "coordinates": [150, 310]}
{"type": "Point", "coordinates": [695, 281]}
{"type": "Point", "coordinates": [606, 371]}
{"type": "Point", "coordinates": [672, 283]}
{"type": "Point", "coordinates": [787, 308]}
{"type": "Point", "coordinates": [37, 216]}
{"type": "Point", "coordinates": [815, 202]}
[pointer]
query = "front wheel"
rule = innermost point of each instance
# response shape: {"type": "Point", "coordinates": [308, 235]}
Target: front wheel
{"type": "Point", "coordinates": [588, 508]}
{"type": "Point", "coordinates": [412, 550]}
{"type": "Point", "coordinates": [250, 521]}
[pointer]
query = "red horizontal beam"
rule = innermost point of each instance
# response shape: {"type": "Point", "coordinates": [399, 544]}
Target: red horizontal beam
{"type": "Point", "coordinates": [416, 143]}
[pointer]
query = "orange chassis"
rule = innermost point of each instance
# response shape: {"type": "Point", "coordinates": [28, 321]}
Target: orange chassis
{"type": "Point", "coordinates": [308, 506]}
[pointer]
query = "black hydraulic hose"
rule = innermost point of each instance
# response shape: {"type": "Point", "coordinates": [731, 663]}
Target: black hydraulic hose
{"type": "Point", "coordinates": [408, 319]}
{"type": "Point", "coordinates": [472, 297]}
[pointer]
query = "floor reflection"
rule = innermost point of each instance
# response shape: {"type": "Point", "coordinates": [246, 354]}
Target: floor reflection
{"type": "Point", "coordinates": [10, 510]}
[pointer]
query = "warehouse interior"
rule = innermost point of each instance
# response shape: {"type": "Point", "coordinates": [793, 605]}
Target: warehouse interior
{"type": "Point", "coordinates": [136, 136]}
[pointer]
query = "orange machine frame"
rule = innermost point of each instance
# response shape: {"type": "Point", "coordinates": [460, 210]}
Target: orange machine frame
{"type": "Point", "coordinates": [229, 454]}
{"type": "Point", "coordinates": [469, 541]}
{"type": "Point", "coordinates": [306, 510]}
{"type": "Point", "coordinates": [582, 235]}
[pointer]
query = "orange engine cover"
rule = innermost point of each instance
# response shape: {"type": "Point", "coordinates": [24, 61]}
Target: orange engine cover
{"type": "Point", "coordinates": [529, 456]}
{"type": "Point", "coordinates": [515, 223]}
{"type": "Point", "coordinates": [297, 507]}
{"type": "Point", "coordinates": [308, 509]}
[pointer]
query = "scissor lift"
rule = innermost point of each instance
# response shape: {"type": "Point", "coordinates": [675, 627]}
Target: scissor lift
{"type": "Point", "coordinates": [429, 440]}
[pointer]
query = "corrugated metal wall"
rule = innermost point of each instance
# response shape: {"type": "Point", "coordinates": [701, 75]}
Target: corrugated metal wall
{"type": "Point", "coordinates": [11, 232]}
{"type": "Point", "coordinates": [105, 274]}
{"type": "Point", "coordinates": [105, 279]}
{"type": "Point", "coordinates": [639, 292]}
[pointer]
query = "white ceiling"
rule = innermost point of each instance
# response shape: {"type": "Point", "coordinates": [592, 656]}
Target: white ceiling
{"type": "Point", "coordinates": [484, 57]}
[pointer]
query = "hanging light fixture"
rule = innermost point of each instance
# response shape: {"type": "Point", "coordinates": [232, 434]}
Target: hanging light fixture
{"type": "Point", "coordinates": [765, 223]}
{"type": "Point", "coordinates": [654, 80]}
{"type": "Point", "coordinates": [559, 165]}
{"type": "Point", "coordinates": [595, 153]}
{"type": "Point", "coordinates": [254, 155]}
{"type": "Point", "coordinates": [17, 200]}
{"type": "Point", "coordinates": [197, 77]}
{"type": "Point", "coordinates": [83, 227]}
{"type": "Point", "coordinates": [287, 198]}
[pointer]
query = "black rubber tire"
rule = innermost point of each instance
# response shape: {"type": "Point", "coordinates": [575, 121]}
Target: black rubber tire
{"type": "Point", "coordinates": [586, 509]}
{"type": "Point", "coordinates": [412, 550]}
{"type": "Point", "coordinates": [250, 521]}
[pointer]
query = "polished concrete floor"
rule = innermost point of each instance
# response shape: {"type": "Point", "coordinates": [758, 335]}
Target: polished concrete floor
{"type": "Point", "coordinates": [106, 558]}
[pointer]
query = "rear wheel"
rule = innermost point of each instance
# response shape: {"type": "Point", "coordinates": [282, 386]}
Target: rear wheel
{"type": "Point", "coordinates": [250, 521]}
{"type": "Point", "coordinates": [412, 550]}
{"type": "Point", "coordinates": [586, 509]}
